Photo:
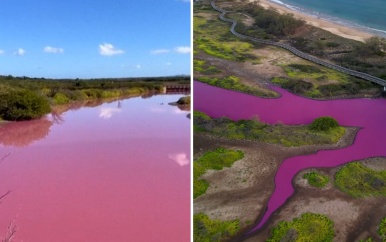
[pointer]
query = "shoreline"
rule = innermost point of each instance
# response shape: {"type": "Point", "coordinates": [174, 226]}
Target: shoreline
{"type": "Point", "coordinates": [335, 28]}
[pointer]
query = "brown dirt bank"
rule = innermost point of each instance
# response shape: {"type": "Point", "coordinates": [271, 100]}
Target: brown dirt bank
{"type": "Point", "coordinates": [354, 219]}
{"type": "Point", "coordinates": [242, 191]}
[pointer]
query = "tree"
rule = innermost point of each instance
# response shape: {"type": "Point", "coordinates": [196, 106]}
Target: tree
{"type": "Point", "coordinates": [323, 124]}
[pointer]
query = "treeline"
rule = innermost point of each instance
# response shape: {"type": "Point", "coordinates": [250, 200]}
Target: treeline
{"type": "Point", "coordinates": [79, 84]}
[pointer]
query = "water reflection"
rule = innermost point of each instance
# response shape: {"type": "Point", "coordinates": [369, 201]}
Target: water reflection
{"type": "Point", "coordinates": [107, 113]}
{"type": "Point", "coordinates": [180, 158]}
{"type": "Point", "coordinates": [21, 134]}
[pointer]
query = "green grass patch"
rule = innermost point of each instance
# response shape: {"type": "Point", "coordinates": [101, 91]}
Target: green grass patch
{"type": "Point", "coordinates": [382, 229]}
{"type": "Point", "coordinates": [200, 66]}
{"type": "Point", "coordinates": [358, 180]}
{"type": "Point", "coordinates": [212, 160]}
{"type": "Point", "coordinates": [308, 227]}
{"type": "Point", "coordinates": [255, 130]}
{"type": "Point", "coordinates": [315, 179]}
{"type": "Point", "coordinates": [233, 83]}
{"type": "Point", "coordinates": [214, 38]}
{"type": "Point", "coordinates": [235, 50]}
{"type": "Point", "coordinates": [207, 230]}
{"type": "Point", "coordinates": [317, 74]}
{"type": "Point", "coordinates": [321, 82]}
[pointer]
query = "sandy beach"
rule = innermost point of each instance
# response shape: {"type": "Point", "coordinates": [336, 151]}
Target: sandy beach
{"type": "Point", "coordinates": [346, 32]}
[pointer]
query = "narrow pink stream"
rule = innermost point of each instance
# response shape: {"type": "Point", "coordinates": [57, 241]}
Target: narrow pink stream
{"type": "Point", "coordinates": [369, 114]}
{"type": "Point", "coordinates": [116, 172]}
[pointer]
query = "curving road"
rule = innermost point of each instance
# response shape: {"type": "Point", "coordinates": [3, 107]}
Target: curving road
{"type": "Point", "coordinates": [297, 52]}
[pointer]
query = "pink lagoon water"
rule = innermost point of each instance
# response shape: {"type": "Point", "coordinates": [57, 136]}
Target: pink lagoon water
{"type": "Point", "coordinates": [116, 172]}
{"type": "Point", "coordinates": [369, 114]}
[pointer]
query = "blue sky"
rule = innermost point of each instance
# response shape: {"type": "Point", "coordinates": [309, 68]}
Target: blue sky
{"type": "Point", "coordinates": [93, 38]}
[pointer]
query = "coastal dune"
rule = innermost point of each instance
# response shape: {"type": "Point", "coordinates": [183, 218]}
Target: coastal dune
{"type": "Point", "coordinates": [343, 31]}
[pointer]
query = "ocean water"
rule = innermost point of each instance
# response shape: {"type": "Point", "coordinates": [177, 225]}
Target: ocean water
{"type": "Point", "coordinates": [368, 15]}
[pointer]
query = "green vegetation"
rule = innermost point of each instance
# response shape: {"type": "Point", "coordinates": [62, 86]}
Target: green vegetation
{"type": "Point", "coordinates": [207, 230]}
{"type": "Point", "coordinates": [255, 130]}
{"type": "Point", "coordinates": [309, 227]}
{"type": "Point", "coordinates": [358, 180]}
{"type": "Point", "coordinates": [212, 160]}
{"type": "Point", "coordinates": [269, 23]}
{"type": "Point", "coordinates": [60, 98]}
{"type": "Point", "coordinates": [213, 38]}
{"type": "Point", "coordinates": [374, 46]}
{"type": "Point", "coordinates": [368, 57]}
{"type": "Point", "coordinates": [367, 240]}
{"type": "Point", "coordinates": [275, 23]}
{"type": "Point", "coordinates": [382, 229]}
{"type": "Point", "coordinates": [235, 50]}
{"type": "Point", "coordinates": [23, 105]}
{"type": "Point", "coordinates": [184, 100]}
{"type": "Point", "coordinates": [320, 82]}
{"type": "Point", "coordinates": [233, 83]}
{"type": "Point", "coordinates": [315, 179]}
{"type": "Point", "coordinates": [23, 98]}
{"type": "Point", "coordinates": [305, 68]}
{"type": "Point", "coordinates": [200, 66]}
{"type": "Point", "coordinates": [324, 124]}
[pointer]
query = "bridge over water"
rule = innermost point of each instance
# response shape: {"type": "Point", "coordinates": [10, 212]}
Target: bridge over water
{"type": "Point", "coordinates": [297, 52]}
{"type": "Point", "coordinates": [176, 88]}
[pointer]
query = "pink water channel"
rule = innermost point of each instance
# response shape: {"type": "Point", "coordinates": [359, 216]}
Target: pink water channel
{"type": "Point", "coordinates": [368, 114]}
{"type": "Point", "coordinates": [115, 172]}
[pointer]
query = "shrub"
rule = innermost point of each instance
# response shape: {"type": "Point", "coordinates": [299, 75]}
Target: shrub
{"type": "Point", "coordinates": [184, 100]}
{"type": "Point", "coordinates": [23, 105]}
{"type": "Point", "coordinates": [315, 179]}
{"type": "Point", "coordinates": [382, 229]}
{"type": "Point", "coordinates": [60, 98]}
{"type": "Point", "coordinates": [358, 180]}
{"type": "Point", "coordinates": [309, 227]}
{"type": "Point", "coordinates": [205, 229]}
{"type": "Point", "coordinates": [324, 124]}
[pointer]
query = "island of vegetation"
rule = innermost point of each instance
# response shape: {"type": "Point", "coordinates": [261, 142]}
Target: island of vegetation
{"type": "Point", "coordinates": [323, 130]}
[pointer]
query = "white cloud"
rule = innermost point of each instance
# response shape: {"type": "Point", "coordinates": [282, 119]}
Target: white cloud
{"type": "Point", "coordinates": [107, 113]}
{"type": "Point", "coordinates": [1, 51]}
{"type": "Point", "coordinates": [53, 50]}
{"type": "Point", "coordinates": [159, 51]}
{"type": "Point", "coordinates": [168, 63]}
{"type": "Point", "coordinates": [180, 158]}
{"type": "Point", "coordinates": [109, 50]}
{"type": "Point", "coordinates": [183, 49]}
{"type": "Point", "coordinates": [179, 111]}
{"type": "Point", "coordinates": [20, 52]}
{"type": "Point", "coordinates": [138, 66]}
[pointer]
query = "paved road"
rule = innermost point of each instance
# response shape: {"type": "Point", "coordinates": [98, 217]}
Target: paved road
{"type": "Point", "coordinates": [298, 52]}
